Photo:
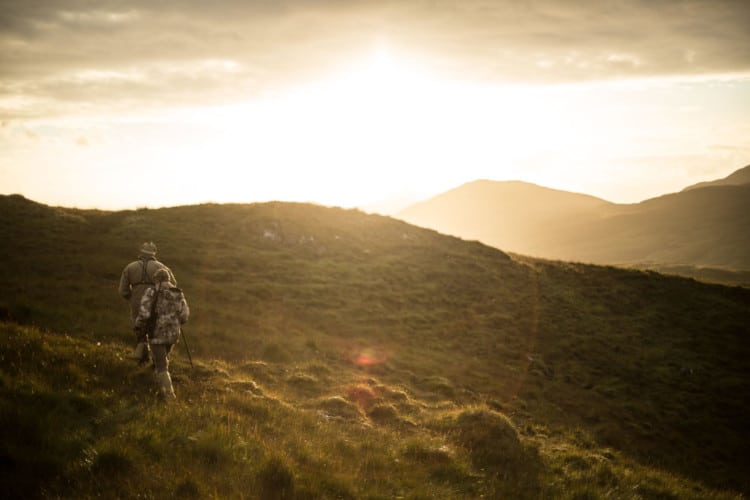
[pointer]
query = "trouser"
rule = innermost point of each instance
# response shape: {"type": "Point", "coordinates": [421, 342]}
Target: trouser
{"type": "Point", "coordinates": [135, 301]}
{"type": "Point", "coordinates": [160, 355]}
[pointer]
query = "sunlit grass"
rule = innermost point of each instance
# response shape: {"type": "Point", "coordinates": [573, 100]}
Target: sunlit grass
{"type": "Point", "coordinates": [228, 436]}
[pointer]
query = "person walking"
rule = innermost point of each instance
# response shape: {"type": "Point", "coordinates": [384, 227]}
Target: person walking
{"type": "Point", "coordinates": [162, 312]}
{"type": "Point", "coordinates": [136, 278]}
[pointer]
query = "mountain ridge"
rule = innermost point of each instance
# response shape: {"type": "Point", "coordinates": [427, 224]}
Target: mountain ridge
{"type": "Point", "coordinates": [701, 227]}
{"type": "Point", "coordinates": [736, 178]}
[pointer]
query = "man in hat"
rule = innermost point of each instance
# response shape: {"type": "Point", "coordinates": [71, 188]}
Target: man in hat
{"type": "Point", "coordinates": [136, 278]}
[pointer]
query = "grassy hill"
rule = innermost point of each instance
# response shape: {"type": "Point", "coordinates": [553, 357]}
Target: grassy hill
{"type": "Point", "coordinates": [701, 232]}
{"type": "Point", "coordinates": [345, 355]}
{"type": "Point", "coordinates": [511, 215]}
{"type": "Point", "coordinates": [705, 227]}
{"type": "Point", "coordinates": [737, 178]}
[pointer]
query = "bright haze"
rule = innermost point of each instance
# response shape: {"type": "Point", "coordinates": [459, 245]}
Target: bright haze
{"type": "Point", "coordinates": [117, 104]}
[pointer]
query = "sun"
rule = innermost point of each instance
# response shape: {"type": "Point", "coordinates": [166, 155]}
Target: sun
{"type": "Point", "coordinates": [376, 127]}
{"type": "Point", "coordinates": [372, 126]}
{"type": "Point", "coordinates": [348, 138]}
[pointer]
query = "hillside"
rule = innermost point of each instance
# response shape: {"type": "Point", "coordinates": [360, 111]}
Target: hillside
{"type": "Point", "coordinates": [346, 355]}
{"type": "Point", "coordinates": [515, 216]}
{"type": "Point", "coordinates": [705, 227]}
{"type": "Point", "coordinates": [737, 178]}
{"type": "Point", "coordinates": [702, 232]}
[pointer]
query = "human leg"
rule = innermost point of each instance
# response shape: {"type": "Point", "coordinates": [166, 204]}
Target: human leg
{"type": "Point", "coordinates": [161, 363]}
{"type": "Point", "coordinates": [161, 360]}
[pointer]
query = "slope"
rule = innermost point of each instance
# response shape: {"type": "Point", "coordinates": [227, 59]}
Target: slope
{"type": "Point", "coordinates": [341, 354]}
{"type": "Point", "coordinates": [704, 227]}
{"type": "Point", "coordinates": [515, 216]}
{"type": "Point", "coordinates": [737, 178]}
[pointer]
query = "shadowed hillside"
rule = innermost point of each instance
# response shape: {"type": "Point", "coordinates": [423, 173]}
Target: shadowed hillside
{"type": "Point", "coordinates": [701, 232]}
{"type": "Point", "coordinates": [705, 227]}
{"type": "Point", "coordinates": [346, 355]}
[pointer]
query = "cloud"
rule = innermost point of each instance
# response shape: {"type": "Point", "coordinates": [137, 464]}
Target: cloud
{"type": "Point", "coordinates": [72, 54]}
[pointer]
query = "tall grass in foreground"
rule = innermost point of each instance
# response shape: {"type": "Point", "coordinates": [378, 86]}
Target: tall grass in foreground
{"type": "Point", "coordinates": [80, 421]}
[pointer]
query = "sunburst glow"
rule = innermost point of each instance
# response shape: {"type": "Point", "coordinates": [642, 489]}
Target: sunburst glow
{"type": "Point", "coordinates": [348, 138]}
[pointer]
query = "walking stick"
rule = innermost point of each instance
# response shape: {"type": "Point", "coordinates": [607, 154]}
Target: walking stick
{"type": "Point", "coordinates": [184, 339]}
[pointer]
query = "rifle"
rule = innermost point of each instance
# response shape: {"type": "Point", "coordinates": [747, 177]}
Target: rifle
{"type": "Point", "coordinates": [150, 325]}
{"type": "Point", "coordinates": [184, 339]}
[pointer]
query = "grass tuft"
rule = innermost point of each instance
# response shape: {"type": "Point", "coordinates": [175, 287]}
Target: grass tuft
{"type": "Point", "coordinates": [337, 406]}
{"type": "Point", "coordinates": [276, 479]}
{"type": "Point", "coordinates": [111, 462]}
{"type": "Point", "coordinates": [490, 438]}
{"type": "Point", "coordinates": [188, 489]}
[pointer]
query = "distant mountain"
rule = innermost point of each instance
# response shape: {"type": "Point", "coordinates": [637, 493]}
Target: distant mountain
{"type": "Point", "coordinates": [702, 227]}
{"type": "Point", "coordinates": [738, 178]}
{"type": "Point", "coordinates": [518, 216]}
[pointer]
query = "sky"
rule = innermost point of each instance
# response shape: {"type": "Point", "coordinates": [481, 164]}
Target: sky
{"type": "Point", "coordinates": [117, 104]}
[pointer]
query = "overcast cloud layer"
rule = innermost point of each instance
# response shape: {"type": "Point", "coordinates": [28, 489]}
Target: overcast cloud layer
{"type": "Point", "coordinates": [72, 56]}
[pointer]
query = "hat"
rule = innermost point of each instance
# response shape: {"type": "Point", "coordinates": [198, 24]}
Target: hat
{"type": "Point", "coordinates": [161, 275]}
{"type": "Point", "coordinates": [148, 249]}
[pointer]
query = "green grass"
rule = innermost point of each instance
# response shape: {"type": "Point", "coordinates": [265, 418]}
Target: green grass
{"type": "Point", "coordinates": [83, 427]}
{"type": "Point", "coordinates": [345, 355]}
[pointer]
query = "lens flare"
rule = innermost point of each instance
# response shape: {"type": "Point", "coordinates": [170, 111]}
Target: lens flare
{"type": "Point", "coordinates": [368, 357]}
{"type": "Point", "coordinates": [362, 394]}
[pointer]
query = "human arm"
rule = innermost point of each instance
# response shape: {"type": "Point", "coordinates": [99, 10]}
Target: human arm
{"type": "Point", "coordinates": [172, 279]}
{"type": "Point", "coordinates": [125, 288]}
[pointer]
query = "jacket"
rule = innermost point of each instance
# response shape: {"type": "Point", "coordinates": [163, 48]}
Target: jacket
{"type": "Point", "coordinates": [136, 278]}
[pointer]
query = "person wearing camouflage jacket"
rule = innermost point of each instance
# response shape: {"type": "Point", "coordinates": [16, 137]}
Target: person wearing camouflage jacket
{"type": "Point", "coordinates": [165, 306]}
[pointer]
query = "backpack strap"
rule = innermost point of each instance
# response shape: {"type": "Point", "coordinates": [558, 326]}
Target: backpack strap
{"type": "Point", "coordinates": [144, 275]}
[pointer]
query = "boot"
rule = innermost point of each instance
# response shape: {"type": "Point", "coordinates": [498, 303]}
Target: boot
{"type": "Point", "coordinates": [165, 385]}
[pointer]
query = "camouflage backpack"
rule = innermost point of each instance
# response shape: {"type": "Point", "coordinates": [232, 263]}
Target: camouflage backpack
{"type": "Point", "coordinates": [168, 310]}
